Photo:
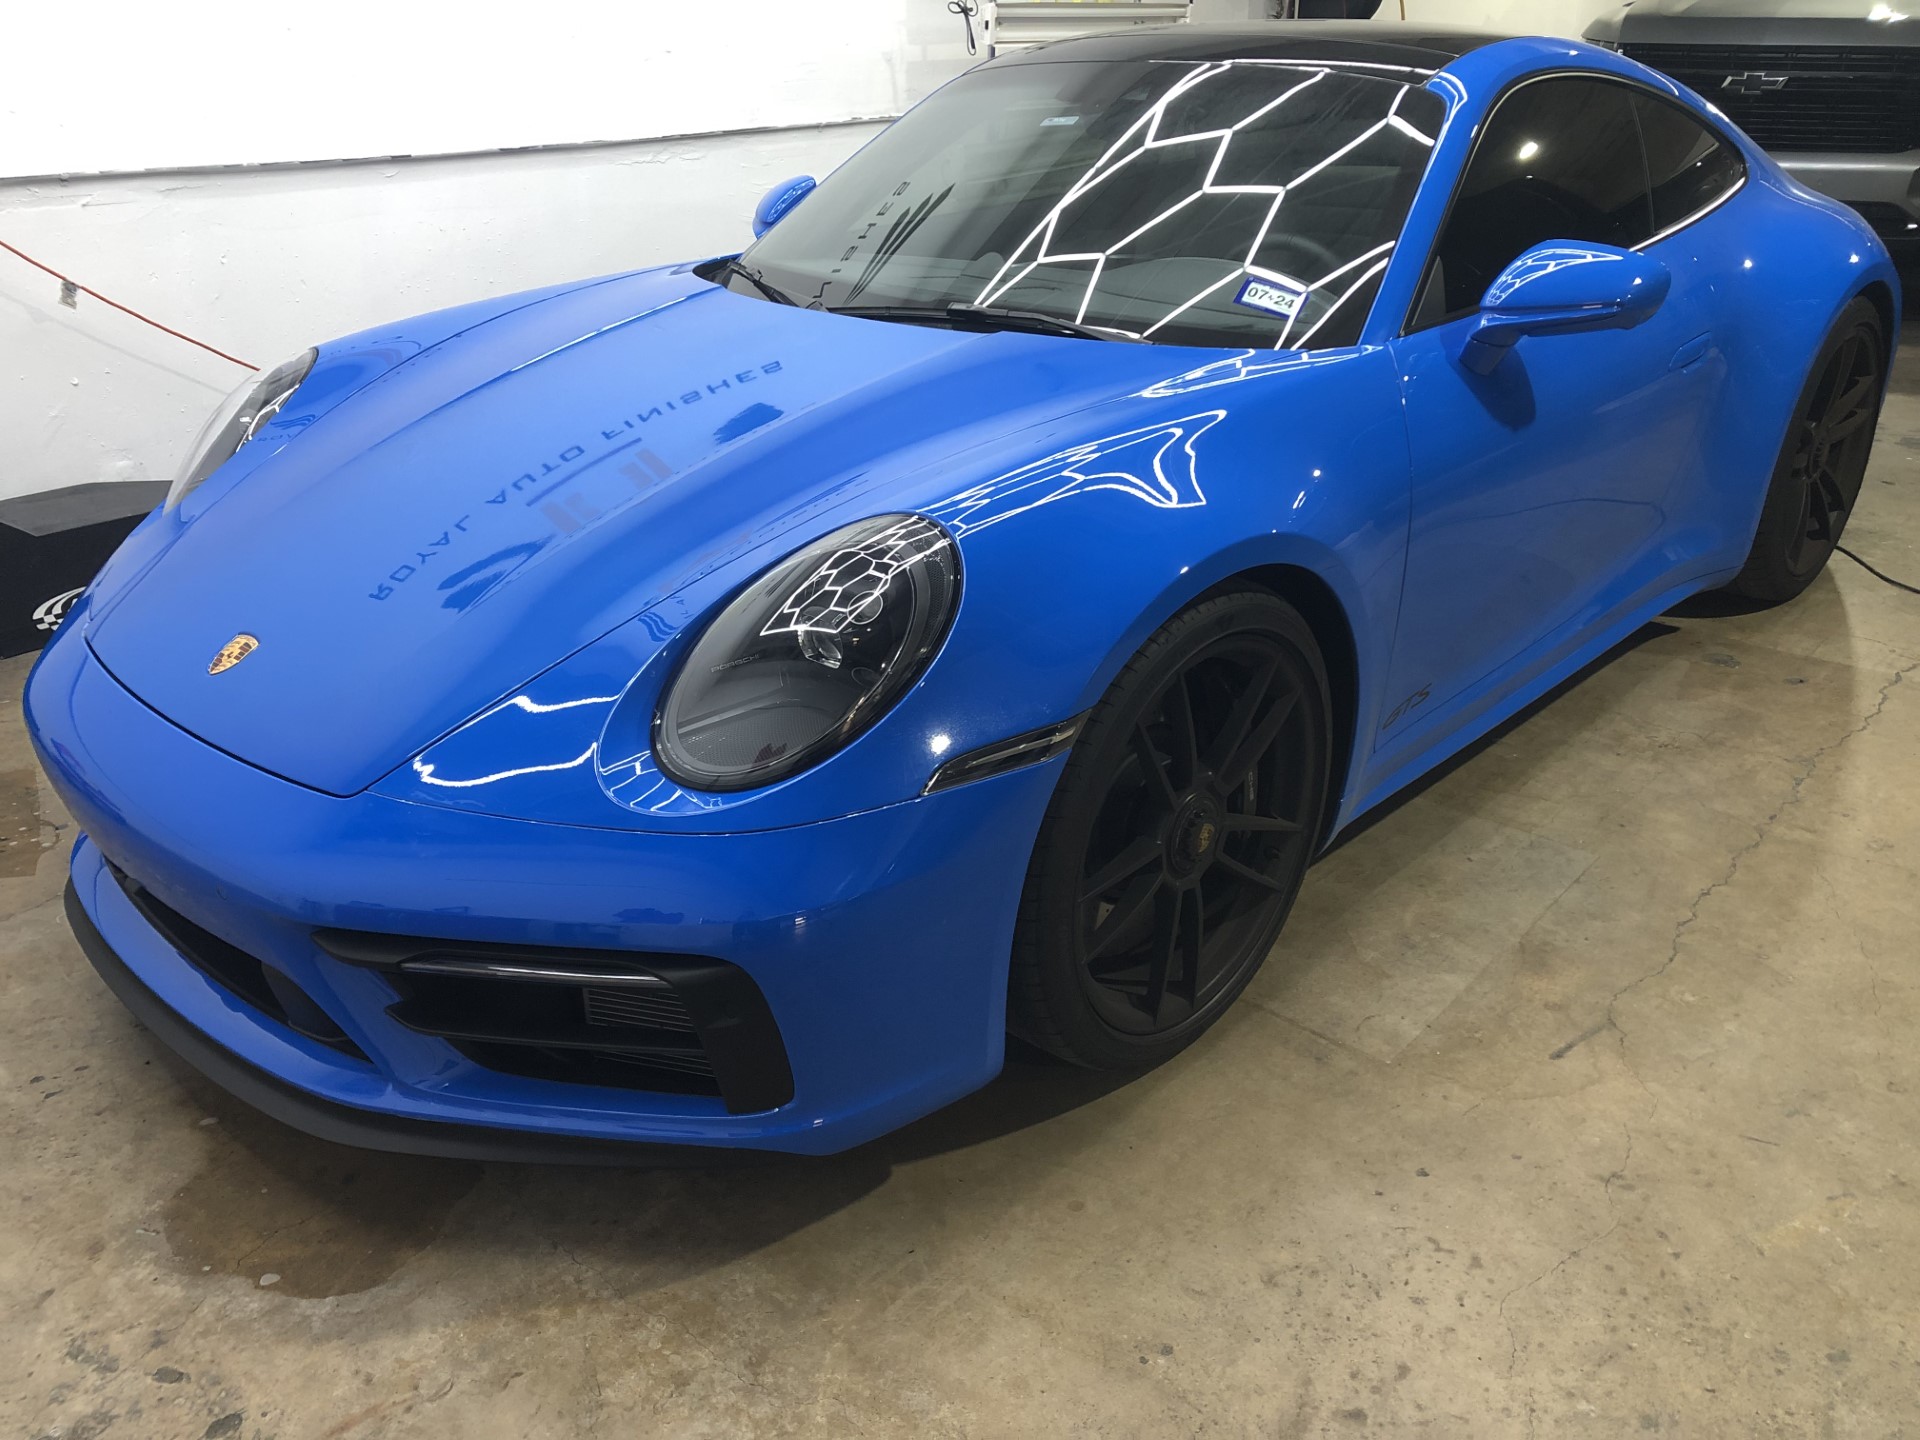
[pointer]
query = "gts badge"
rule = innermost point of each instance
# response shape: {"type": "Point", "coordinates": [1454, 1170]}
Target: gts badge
{"type": "Point", "coordinates": [1406, 707]}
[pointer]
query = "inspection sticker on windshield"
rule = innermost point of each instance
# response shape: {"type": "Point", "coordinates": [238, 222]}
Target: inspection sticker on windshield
{"type": "Point", "coordinates": [1272, 297]}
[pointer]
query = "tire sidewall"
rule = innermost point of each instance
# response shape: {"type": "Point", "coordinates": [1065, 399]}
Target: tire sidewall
{"type": "Point", "coordinates": [1058, 1016]}
{"type": "Point", "coordinates": [1766, 576]}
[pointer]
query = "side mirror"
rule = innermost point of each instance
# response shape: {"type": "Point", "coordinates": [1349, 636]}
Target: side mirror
{"type": "Point", "coordinates": [1562, 288]}
{"type": "Point", "coordinates": [775, 204]}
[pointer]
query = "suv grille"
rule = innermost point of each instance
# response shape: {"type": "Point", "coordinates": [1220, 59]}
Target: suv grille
{"type": "Point", "coordinates": [1860, 101]}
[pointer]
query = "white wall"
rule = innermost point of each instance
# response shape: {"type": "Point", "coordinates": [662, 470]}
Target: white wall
{"type": "Point", "coordinates": [263, 260]}
{"type": "Point", "coordinates": [225, 82]}
{"type": "Point", "coordinates": [1513, 17]}
{"type": "Point", "coordinates": [263, 263]}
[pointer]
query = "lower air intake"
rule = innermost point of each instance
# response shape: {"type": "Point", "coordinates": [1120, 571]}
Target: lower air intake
{"type": "Point", "coordinates": [679, 1024]}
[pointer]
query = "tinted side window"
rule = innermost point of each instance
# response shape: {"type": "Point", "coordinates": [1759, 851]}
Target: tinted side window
{"type": "Point", "coordinates": [1689, 165]}
{"type": "Point", "coordinates": [1559, 160]}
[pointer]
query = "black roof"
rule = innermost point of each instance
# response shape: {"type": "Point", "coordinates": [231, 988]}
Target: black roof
{"type": "Point", "coordinates": [1424, 47]}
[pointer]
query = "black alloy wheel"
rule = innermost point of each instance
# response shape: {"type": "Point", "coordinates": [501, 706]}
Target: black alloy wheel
{"type": "Point", "coordinates": [1178, 837]}
{"type": "Point", "coordinates": [1823, 462]}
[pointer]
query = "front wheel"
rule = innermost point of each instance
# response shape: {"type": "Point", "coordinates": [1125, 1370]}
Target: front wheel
{"type": "Point", "coordinates": [1823, 462]}
{"type": "Point", "coordinates": [1177, 838]}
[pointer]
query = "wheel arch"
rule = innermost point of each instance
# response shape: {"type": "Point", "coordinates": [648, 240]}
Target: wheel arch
{"type": "Point", "coordinates": [1319, 605]}
{"type": "Point", "coordinates": [1880, 293]}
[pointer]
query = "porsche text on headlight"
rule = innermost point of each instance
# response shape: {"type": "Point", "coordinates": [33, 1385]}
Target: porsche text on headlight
{"type": "Point", "coordinates": [238, 420]}
{"type": "Point", "coordinates": [809, 655]}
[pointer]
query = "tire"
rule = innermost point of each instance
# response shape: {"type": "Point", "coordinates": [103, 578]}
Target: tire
{"type": "Point", "coordinates": [1816, 480]}
{"type": "Point", "coordinates": [1177, 837]}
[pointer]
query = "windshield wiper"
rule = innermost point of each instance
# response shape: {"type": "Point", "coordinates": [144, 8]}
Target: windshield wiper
{"type": "Point", "coordinates": [984, 317]}
{"type": "Point", "coordinates": [734, 267]}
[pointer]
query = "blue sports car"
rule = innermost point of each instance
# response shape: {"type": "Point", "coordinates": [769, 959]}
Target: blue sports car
{"type": "Point", "coordinates": [714, 705]}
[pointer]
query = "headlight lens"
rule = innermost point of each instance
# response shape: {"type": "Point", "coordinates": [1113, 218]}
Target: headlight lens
{"type": "Point", "coordinates": [809, 655]}
{"type": "Point", "coordinates": [237, 421]}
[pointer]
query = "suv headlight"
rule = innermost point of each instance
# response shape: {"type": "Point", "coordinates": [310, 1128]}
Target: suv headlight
{"type": "Point", "coordinates": [237, 421]}
{"type": "Point", "coordinates": [809, 655]}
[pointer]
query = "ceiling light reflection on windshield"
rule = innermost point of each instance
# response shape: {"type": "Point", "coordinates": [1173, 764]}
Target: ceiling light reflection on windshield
{"type": "Point", "coordinates": [1530, 149]}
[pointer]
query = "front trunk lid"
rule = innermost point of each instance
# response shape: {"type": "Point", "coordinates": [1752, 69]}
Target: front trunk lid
{"type": "Point", "coordinates": [504, 498]}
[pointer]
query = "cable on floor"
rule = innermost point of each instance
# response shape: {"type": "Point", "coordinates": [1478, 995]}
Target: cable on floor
{"type": "Point", "coordinates": [125, 309]}
{"type": "Point", "coordinates": [1878, 574]}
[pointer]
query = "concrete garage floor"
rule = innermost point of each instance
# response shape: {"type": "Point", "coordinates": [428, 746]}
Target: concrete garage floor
{"type": "Point", "coordinates": [1580, 1099]}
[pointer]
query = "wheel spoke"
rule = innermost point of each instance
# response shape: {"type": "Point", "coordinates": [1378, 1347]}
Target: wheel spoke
{"type": "Point", "coordinates": [1851, 419]}
{"type": "Point", "coordinates": [1157, 782]}
{"type": "Point", "coordinates": [1803, 529]}
{"type": "Point", "coordinates": [1247, 872]}
{"type": "Point", "coordinates": [1120, 917]}
{"type": "Point", "coordinates": [1257, 744]}
{"type": "Point", "coordinates": [1144, 851]}
{"type": "Point", "coordinates": [1193, 934]}
{"type": "Point", "coordinates": [1833, 496]}
{"type": "Point", "coordinates": [1166, 937]}
{"type": "Point", "coordinates": [1233, 822]}
{"type": "Point", "coordinates": [1186, 741]}
{"type": "Point", "coordinates": [1240, 718]}
{"type": "Point", "coordinates": [1838, 369]}
{"type": "Point", "coordinates": [1819, 522]}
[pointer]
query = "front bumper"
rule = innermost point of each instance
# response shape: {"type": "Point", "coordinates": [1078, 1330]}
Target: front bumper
{"type": "Point", "coordinates": [1884, 188]}
{"type": "Point", "coordinates": [879, 941]}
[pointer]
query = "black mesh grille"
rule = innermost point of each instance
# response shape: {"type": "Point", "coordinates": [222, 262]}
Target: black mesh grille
{"type": "Point", "coordinates": [631, 1007]}
{"type": "Point", "coordinates": [1804, 97]}
{"type": "Point", "coordinates": [548, 1030]}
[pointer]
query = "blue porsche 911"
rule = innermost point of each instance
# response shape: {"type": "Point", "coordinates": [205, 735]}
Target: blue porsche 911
{"type": "Point", "coordinates": [716, 704]}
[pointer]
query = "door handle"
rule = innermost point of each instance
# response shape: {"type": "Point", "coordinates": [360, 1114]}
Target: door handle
{"type": "Point", "coordinates": [1691, 353]}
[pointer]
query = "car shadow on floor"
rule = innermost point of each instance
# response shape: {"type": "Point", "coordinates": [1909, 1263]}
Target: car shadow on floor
{"type": "Point", "coordinates": [273, 1206]}
{"type": "Point", "coordinates": [325, 1219]}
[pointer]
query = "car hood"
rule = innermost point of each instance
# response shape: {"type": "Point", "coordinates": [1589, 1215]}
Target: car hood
{"type": "Point", "coordinates": [511, 492]}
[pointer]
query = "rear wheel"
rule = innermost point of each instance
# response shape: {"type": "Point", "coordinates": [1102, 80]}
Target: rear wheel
{"type": "Point", "coordinates": [1817, 478]}
{"type": "Point", "coordinates": [1177, 838]}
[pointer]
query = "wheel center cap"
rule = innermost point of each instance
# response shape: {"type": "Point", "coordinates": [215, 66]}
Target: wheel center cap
{"type": "Point", "coordinates": [1194, 835]}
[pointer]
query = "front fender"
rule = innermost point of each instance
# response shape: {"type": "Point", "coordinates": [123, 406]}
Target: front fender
{"type": "Point", "coordinates": [1133, 509]}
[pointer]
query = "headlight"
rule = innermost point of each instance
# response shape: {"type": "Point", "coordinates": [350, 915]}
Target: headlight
{"type": "Point", "coordinates": [237, 421]}
{"type": "Point", "coordinates": [809, 655]}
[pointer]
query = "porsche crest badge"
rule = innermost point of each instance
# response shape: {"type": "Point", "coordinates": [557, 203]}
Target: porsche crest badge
{"type": "Point", "coordinates": [233, 652]}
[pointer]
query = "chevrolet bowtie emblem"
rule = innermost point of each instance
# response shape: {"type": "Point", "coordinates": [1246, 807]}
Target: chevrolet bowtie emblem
{"type": "Point", "coordinates": [233, 652]}
{"type": "Point", "coordinates": [1753, 82]}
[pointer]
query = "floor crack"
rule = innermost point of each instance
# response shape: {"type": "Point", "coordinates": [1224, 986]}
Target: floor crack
{"type": "Point", "coordinates": [1761, 832]}
{"type": "Point", "coordinates": [1513, 1336]}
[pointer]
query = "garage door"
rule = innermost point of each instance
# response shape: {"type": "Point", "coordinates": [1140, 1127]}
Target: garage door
{"type": "Point", "coordinates": [1020, 23]}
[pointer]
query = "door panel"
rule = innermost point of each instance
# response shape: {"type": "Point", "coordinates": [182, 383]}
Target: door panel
{"type": "Point", "coordinates": [1539, 497]}
{"type": "Point", "coordinates": [1541, 493]}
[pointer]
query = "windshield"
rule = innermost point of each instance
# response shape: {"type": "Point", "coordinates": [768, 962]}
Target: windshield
{"type": "Point", "coordinates": [1234, 203]}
